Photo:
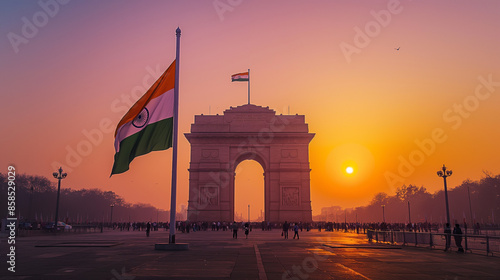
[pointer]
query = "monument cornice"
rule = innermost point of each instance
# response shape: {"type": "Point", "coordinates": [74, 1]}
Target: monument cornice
{"type": "Point", "coordinates": [243, 136]}
{"type": "Point", "coordinates": [208, 169]}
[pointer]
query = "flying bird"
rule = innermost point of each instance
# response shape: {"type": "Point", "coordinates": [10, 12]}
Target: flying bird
{"type": "Point", "coordinates": [397, 48]}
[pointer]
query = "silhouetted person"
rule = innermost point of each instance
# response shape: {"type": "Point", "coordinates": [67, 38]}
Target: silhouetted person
{"type": "Point", "coordinates": [286, 227]}
{"type": "Point", "coordinates": [247, 230]}
{"type": "Point", "coordinates": [447, 232]}
{"type": "Point", "coordinates": [383, 226]}
{"type": "Point", "coordinates": [234, 226]}
{"type": "Point", "coordinates": [457, 234]}
{"type": "Point", "coordinates": [296, 231]}
{"type": "Point", "coordinates": [148, 229]}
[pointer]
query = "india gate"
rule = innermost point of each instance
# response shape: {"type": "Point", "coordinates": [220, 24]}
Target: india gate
{"type": "Point", "coordinates": [279, 143]}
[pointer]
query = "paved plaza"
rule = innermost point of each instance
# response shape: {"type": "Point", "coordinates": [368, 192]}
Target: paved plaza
{"type": "Point", "coordinates": [215, 255]}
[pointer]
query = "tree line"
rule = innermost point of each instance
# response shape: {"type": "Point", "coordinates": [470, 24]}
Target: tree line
{"type": "Point", "coordinates": [36, 198]}
{"type": "Point", "coordinates": [483, 207]}
{"type": "Point", "coordinates": [36, 201]}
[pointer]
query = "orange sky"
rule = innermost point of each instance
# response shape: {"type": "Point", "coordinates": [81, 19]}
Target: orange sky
{"type": "Point", "coordinates": [74, 69]}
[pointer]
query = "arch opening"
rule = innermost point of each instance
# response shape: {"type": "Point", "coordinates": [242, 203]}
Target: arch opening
{"type": "Point", "coordinates": [249, 189]}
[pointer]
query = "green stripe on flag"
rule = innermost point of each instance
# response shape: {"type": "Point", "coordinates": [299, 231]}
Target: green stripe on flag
{"type": "Point", "coordinates": [154, 137]}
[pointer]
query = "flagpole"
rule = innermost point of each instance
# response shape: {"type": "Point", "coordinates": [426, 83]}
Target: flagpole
{"type": "Point", "coordinates": [248, 86]}
{"type": "Point", "coordinates": [173, 195]}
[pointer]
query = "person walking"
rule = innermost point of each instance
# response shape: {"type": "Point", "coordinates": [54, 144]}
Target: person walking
{"type": "Point", "coordinates": [234, 226]}
{"type": "Point", "coordinates": [286, 227]}
{"type": "Point", "coordinates": [447, 232]}
{"type": "Point", "coordinates": [296, 231]}
{"type": "Point", "coordinates": [148, 229]}
{"type": "Point", "coordinates": [457, 234]}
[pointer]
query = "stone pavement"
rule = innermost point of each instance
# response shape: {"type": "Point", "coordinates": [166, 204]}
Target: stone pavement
{"type": "Point", "coordinates": [215, 255]}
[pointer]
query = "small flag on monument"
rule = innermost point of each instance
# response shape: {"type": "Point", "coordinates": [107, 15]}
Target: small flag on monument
{"type": "Point", "coordinates": [240, 77]}
{"type": "Point", "coordinates": [148, 125]}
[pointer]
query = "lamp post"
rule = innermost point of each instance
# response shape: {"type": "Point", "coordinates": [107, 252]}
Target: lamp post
{"type": "Point", "coordinates": [59, 176]}
{"type": "Point", "coordinates": [111, 220]}
{"type": "Point", "coordinates": [31, 202]}
{"type": "Point", "coordinates": [409, 213]}
{"type": "Point", "coordinates": [383, 213]}
{"type": "Point", "coordinates": [445, 173]}
{"type": "Point", "coordinates": [345, 220]}
{"type": "Point", "coordinates": [470, 207]}
{"type": "Point", "coordinates": [357, 226]}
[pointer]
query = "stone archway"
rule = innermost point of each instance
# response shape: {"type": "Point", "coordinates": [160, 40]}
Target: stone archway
{"type": "Point", "coordinates": [280, 143]}
{"type": "Point", "coordinates": [249, 191]}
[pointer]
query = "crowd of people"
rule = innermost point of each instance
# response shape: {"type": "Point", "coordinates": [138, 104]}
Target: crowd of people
{"type": "Point", "coordinates": [297, 227]}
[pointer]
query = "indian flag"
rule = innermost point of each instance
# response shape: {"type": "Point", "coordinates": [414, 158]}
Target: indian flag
{"type": "Point", "coordinates": [148, 125]}
{"type": "Point", "coordinates": [240, 77]}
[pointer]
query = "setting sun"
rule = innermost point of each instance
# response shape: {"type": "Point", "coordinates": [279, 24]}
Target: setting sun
{"type": "Point", "coordinates": [349, 170]}
{"type": "Point", "coordinates": [349, 165]}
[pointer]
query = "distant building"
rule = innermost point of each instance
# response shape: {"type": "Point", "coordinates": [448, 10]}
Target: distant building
{"type": "Point", "coordinates": [330, 214]}
{"type": "Point", "coordinates": [182, 214]}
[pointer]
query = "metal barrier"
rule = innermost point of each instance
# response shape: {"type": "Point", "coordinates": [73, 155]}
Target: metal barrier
{"type": "Point", "coordinates": [470, 243]}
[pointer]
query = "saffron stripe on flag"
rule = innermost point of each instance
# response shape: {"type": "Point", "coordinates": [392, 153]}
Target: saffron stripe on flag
{"type": "Point", "coordinates": [240, 77]}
